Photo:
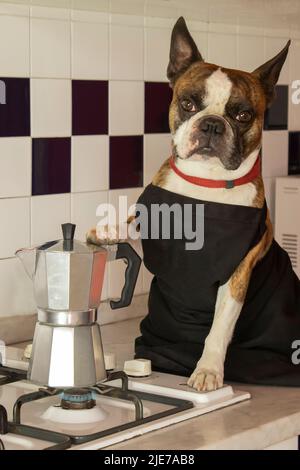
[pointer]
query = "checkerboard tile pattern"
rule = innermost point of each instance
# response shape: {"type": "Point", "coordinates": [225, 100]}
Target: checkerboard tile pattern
{"type": "Point", "coordinates": [84, 119]}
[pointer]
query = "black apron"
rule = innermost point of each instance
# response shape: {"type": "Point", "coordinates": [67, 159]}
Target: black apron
{"type": "Point", "coordinates": [184, 289]}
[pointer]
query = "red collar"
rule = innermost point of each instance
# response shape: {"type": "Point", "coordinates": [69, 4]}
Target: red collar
{"type": "Point", "coordinates": [253, 173]}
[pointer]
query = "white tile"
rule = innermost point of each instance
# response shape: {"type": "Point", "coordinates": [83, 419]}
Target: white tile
{"type": "Point", "coordinates": [127, 19]}
{"type": "Point", "coordinates": [50, 48]}
{"type": "Point", "coordinates": [47, 215]}
{"type": "Point", "coordinates": [157, 148]}
{"type": "Point", "coordinates": [50, 108]}
{"type": "Point", "coordinates": [89, 50]}
{"type": "Point", "coordinates": [294, 63]}
{"type": "Point", "coordinates": [272, 47]}
{"type": "Point", "coordinates": [128, 7]}
{"type": "Point", "coordinates": [275, 153]}
{"type": "Point", "coordinates": [157, 47]}
{"type": "Point", "coordinates": [163, 9]}
{"type": "Point", "coordinates": [201, 39]}
{"type": "Point", "coordinates": [126, 107]}
{"type": "Point", "coordinates": [227, 28]}
{"type": "Point", "coordinates": [192, 14]}
{"type": "Point", "coordinates": [94, 6]}
{"type": "Point", "coordinates": [250, 52]}
{"type": "Point", "coordinates": [83, 211]}
{"type": "Point", "coordinates": [15, 166]}
{"type": "Point", "coordinates": [16, 289]}
{"type": "Point", "coordinates": [250, 30]}
{"type": "Point", "coordinates": [269, 184]}
{"type": "Point", "coordinates": [131, 195]}
{"type": "Point", "coordinates": [14, 9]}
{"type": "Point", "coordinates": [197, 26]}
{"type": "Point", "coordinates": [277, 32]}
{"type": "Point", "coordinates": [90, 163]}
{"type": "Point", "coordinates": [222, 49]}
{"type": "Point", "coordinates": [223, 17]}
{"type": "Point", "coordinates": [294, 69]}
{"type": "Point", "coordinates": [90, 16]}
{"type": "Point", "coordinates": [161, 22]}
{"type": "Point", "coordinates": [38, 11]}
{"type": "Point", "coordinates": [15, 225]}
{"type": "Point", "coordinates": [295, 33]}
{"type": "Point", "coordinates": [126, 52]}
{"type": "Point", "coordinates": [14, 46]}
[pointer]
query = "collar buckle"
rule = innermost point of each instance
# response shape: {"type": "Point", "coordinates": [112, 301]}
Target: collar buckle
{"type": "Point", "coordinates": [229, 184]}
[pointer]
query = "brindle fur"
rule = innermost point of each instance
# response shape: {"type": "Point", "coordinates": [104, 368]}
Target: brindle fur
{"type": "Point", "coordinates": [239, 281]}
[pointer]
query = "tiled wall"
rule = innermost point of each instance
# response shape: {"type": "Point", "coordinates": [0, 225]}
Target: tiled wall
{"type": "Point", "coordinates": [85, 120]}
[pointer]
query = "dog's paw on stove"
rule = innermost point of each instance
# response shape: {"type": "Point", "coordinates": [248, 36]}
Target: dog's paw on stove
{"type": "Point", "coordinates": [205, 380]}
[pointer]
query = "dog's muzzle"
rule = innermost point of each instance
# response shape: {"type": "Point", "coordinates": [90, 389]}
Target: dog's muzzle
{"type": "Point", "coordinates": [209, 134]}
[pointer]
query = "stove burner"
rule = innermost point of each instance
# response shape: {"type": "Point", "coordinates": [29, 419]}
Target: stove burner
{"type": "Point", "coordinates": [77, 399]}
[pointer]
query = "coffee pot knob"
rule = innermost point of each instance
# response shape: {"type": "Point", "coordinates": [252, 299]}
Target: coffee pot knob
{"type": "Point", "coordinates": [68, 231]}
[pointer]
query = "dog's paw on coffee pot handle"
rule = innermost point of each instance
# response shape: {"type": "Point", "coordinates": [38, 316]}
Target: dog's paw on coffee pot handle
{"type": "Point", "coordinates": [105, 235]}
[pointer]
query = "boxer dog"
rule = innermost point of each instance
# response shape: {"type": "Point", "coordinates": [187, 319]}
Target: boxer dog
{"type": "Point", "coordinates": [216, 121]}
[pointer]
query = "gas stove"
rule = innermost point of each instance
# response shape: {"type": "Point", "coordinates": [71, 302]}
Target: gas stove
{"type": "Point", "coordinates": [121, 408]}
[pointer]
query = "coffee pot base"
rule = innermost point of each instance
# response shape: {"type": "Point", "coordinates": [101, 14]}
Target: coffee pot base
{"type": "Point", "coordinates": [67, 356]}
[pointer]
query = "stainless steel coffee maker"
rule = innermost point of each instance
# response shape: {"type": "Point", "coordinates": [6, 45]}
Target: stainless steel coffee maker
{"type": "Point", "coordinates": [67, 276]}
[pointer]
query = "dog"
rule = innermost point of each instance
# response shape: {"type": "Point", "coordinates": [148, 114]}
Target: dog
{"type": "Point", "coordinates": [216, 120]}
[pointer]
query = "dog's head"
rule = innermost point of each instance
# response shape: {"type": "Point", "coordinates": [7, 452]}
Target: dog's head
{"type": "Point", "coordinates": [216, 115]}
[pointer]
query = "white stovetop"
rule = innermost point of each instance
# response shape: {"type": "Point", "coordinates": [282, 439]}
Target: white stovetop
{"type": "Point", "coordinates": [271, 416]}
{"type": "Point", "coordinates": [108, 413]}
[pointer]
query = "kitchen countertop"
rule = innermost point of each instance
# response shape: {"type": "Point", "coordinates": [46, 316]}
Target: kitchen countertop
{"type": "Point", "coordinates": [270, 417]}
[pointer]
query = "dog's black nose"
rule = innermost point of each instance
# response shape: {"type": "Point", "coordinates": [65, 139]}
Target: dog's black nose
{"type": "Point", "coordinates": [212, 125]}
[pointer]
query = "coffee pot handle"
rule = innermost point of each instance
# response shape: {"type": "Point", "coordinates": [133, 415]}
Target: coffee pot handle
{"type": "Point", "coordinates": [126, 252]}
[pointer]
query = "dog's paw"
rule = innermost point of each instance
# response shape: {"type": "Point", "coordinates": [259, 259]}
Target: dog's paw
{"type": "Point", "coordinates": [104, 235]}
{"type": "Point", "coordinates": [205, 379]}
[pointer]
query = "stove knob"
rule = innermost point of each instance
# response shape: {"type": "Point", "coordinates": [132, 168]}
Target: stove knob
{"type": "Point", "coordinates": [138, 367]}
{"type": "Point", "coordinates": [110, 361]}
{"type": "Point", "coordinates": [27, 351]}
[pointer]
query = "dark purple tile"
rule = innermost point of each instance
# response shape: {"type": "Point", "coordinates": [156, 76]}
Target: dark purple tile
{"type": "Point", "coordinates": [14, 107]}
{"type": "Point", "coordinates": [51, 165]}
{"type": "Point", "coordinates": [158, 97]}
{"type": "Point", "coordinates": [126, 161]}
{"type": "Point", "coordinates": [276, 117]}
{"type": "Point", "coordinates": [89, 107]}
{"type": "Point", "coordinates": [294, 153]}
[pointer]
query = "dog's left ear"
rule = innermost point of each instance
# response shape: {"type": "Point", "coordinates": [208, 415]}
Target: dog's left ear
{"type": "Point", "coordinates": [268, 73]}
{"type": "Point", "coordinates": [183, 51]}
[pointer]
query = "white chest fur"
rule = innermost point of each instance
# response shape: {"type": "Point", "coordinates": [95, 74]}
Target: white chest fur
{"type": "Point", "coordinates": [243, 195]}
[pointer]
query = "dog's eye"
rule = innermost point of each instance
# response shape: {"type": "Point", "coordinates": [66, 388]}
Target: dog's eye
{"type": "Point", "coordinates": [188, 105]}
{"type": "Point", "coordinates": [244, 116]}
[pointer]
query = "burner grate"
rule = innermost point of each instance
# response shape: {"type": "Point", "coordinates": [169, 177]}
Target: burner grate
{"type": "Point", "coordinates": [60, 441]}
{"type": "Point", "coordinates": [123, 393]}
{"type": "Point", "coordinates": [11, 375]}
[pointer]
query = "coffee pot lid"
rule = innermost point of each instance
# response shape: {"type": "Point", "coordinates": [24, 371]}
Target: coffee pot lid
{"type": "Point", "coordinates": [68, 243]}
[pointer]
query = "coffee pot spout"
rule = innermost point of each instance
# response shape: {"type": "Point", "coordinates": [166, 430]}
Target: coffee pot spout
{"type": "Point", "coordinates": [28, 259]}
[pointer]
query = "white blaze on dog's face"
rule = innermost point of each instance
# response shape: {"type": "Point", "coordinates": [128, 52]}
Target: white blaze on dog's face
{"type": "Point", "coordinates": [187, 139]}
{"type": "Point", "coordinates": [216, 115]}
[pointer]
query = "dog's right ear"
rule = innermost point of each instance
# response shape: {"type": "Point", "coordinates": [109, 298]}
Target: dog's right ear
{"type": "Point", "coordinates": [183, 51]}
